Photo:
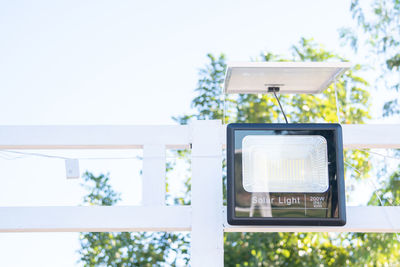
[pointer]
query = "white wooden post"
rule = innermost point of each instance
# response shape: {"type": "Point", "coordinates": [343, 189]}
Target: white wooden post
{"type": "Point", "coordinates": [207, 246]}
{"type": "Point", "coordinates": [153, 193]}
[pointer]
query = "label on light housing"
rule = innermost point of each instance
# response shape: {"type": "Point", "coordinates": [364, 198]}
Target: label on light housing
{"type": "Point", "coordinates": [285, 163]}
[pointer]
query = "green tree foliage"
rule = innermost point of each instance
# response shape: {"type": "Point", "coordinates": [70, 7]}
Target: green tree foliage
{"type": "Point", "coordinates": [284, 249]}
{"type": "Point", "coordinates": [126, 249]}
{"type": "Point", "coordinates": [378, 32]}
{"type": "Point", "coordinates": [380, 21]}
{"type": "Point", "coordinates": [389, 195]}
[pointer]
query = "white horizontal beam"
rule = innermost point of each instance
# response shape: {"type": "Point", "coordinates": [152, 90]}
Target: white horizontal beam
{"type": "Point", "coordinates": [371, 135]}
{"type": "Point", "coordinates": [170, 218]}
{"type": "Point", "coordinates": [359, 219]}
{"type": "Point", "coordinates": [88, 137]}
{"type": "Point", "coordinates": [110, 137]}
{"type": "Point", "coordinates": [366, 136]}
{"type": "Point", "coordinates": [95, 219]}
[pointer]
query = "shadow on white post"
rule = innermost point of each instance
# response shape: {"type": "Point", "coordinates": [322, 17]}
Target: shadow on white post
{"type": "Point", "coordinates": [207, 244]}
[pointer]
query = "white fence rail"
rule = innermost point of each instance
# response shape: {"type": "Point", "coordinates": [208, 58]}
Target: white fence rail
{"type": "Point", "coordinates": [177, 136]}
{"type": "Point", "coordinates": [173, 218]}
{"type": "Point", "coordinates": [205, 218]}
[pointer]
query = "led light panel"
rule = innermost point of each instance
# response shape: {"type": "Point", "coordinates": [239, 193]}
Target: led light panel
{"type": "Point", "coordinates": [296, 163]}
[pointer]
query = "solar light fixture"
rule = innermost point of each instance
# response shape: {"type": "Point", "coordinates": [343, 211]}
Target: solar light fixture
{"type": "Point", "coordinates": [284, 174]}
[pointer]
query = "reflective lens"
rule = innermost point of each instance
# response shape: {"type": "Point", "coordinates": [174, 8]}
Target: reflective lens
{"type": "Point", "coordinates": [285, 163]}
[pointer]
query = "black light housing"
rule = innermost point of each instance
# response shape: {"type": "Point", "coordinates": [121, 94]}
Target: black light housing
{"type": "Point", "coordinates": [285, 174]}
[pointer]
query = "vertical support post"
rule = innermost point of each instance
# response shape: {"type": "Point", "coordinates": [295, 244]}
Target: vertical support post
{"type": "Point", "coordinates": [207, 245]}
{"type": "Point", "coordinates": [153, 175]}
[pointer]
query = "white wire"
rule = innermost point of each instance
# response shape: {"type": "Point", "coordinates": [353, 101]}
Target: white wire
{"type": "Point", "coordinates": [224, 107]}
{"type": "Point", "coordinates": [34, 154]}
{"type": "Point", "coordinates": [379, 198]}
{"type": "Point", "coordinates": [337, 102]}
{"type": "Point", "coordinates": [385, 156]}
{"type": "Point", "coordinates": [5, 156]}
{"type": "Point", "coordinates": [58, 157]}
{"type": "Point", "coordinates": [374, 185]}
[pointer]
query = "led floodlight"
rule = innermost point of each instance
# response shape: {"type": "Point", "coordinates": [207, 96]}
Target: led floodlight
{"type": "Point", "coordinates": [285, 174]}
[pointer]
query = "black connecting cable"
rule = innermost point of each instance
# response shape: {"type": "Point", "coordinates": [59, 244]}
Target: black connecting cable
{"type": "Point", "coordinates": [279, 102]}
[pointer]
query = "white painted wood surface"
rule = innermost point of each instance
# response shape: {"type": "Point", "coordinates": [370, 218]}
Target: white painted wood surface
{"type": "Point", "coordinates": [205, 218]}
{"type": "Point", "coordinates": [153, 190]}
{"type": "Point", "coordinates": [360, 136]}
{"type": "Point", "coordinates": [125, 137]}
{"type": "Point", "coordinates": [88, 137]}
{"type": "Point", "coordinates": [171, 218]}
{"type": "Point", "coordinates": [359, 219]}
{"type": "Point", "coordinates": [371, 135]}
{"type": "Point", "coordinates": [207, 238]}
{"type": "Point", "coordinates": [95, 219]}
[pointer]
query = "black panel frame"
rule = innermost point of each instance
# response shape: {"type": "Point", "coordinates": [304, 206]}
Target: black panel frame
{"type": "Point", "coordinates": [338, 144]}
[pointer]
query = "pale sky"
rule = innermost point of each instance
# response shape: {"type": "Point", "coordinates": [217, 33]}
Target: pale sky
{"type": "Point", "coordinates": [121, 62]}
